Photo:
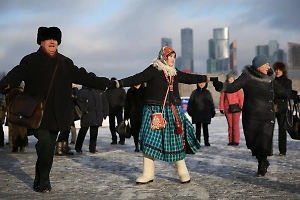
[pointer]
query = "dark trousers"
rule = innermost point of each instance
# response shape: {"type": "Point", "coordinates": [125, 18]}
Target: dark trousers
{"type": "Point", "coordinates": [45, 147]}
{"type": "Point", "coordinates": [63, 136]}
{"type": "Point", "coordinates": [135, 132]}
{"type": "Point", "coordinates": [1, 134]}
{"type": "Point", "coordinates": [280, 116]}
{"type": "Point", "coordinates": [205, 132]}
{"type": "Point", "coordinates": [112, 124]}
{"type": "Point", "coordinates": [93, 138]}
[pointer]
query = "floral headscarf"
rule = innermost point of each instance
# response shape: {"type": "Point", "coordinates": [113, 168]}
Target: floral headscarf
{"type": "Point", "coordinates": [160, 62]}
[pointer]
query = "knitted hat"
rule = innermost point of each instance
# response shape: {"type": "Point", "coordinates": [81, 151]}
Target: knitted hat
{"type": "Point", "coordinates": [45, 33]}
{"type": "Point", "coordinates": [259, 61]}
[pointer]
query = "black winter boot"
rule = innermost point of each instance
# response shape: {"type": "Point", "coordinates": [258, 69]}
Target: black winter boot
{"type": "Point", "coordinates": [66, 149]}
{"type": "Point", "coordinates": [136, 147]}
{"type": "Point", "coordinates": [92, 147]}
{"type": "Point", "coordinates": [262, 167]}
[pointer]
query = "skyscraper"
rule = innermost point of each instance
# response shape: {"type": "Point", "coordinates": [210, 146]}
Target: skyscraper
{"type": "Point", "coordinates": [272, 51]}
{"type": "Point", "coordinates": [233, 58]}
{"type": "Point", "coordinates": [293, 56]}
{"type": "Point", "coordinates": [218, 61]}
{"type": "Point", "coordinates": [187, 50]}
{"type": "Point", "coordinates": [262, 49]}
{"type": "Point", "coordinates": [166, 42]}
{"type": "Point", "coordinates": [273, 47]}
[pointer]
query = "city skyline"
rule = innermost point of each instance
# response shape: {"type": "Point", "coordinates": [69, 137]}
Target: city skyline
{"type": "Point", "coordinates": [120, 38]}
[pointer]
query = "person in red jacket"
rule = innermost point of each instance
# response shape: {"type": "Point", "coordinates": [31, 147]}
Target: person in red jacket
{"type": "Point", "coordinates": [233, 119]}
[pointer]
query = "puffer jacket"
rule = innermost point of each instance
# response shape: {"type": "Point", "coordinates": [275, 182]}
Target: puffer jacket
{"type": "Point", "coordinates": [201, 106]}
{"type": "Point", "coordinates": [227, 99]}
{"type": "Point", "coordinates": [94, 107]}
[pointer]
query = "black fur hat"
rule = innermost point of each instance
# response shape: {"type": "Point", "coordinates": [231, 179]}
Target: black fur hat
{"type": "Point", "coordinates": [45, 33]}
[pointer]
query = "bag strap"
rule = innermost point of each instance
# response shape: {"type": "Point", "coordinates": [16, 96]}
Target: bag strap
{"type": "Point", "coordinates": [170, 88]}
{"type": "Point", "coordinates": [165, 100]}
{"type": "Point", "coordinates": [51, 83]}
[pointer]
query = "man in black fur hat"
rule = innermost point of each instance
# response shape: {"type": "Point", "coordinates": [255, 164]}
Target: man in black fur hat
{"type": "Point", "coordinates": [36, 70]}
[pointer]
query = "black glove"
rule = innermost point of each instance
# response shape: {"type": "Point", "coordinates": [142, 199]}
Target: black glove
{"type": "Point", "coordinates": [218, 85]}
{"type": "Point", "coordinates": [222, 111]}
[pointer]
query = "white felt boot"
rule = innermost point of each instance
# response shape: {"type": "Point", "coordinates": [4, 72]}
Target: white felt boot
{"type": "Point", "coordinates": [148, 173]}
{"type": "Point", "coordinates": [182, 171]}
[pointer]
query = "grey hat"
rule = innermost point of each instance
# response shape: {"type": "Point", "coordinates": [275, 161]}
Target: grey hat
{"type": "Point", "coordinates": [259, 61]}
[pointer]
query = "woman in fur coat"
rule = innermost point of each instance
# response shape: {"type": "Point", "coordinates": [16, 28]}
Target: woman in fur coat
{"type": "Point", "coordinates": [258, 116]}
{"type": "Point", "coordinates": [170, 143]}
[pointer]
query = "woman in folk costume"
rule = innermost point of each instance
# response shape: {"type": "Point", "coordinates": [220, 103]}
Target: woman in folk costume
{"type": "Point", "coordinates": [170, 143]}
{"type": "Point", "coordinates": [233, 119]}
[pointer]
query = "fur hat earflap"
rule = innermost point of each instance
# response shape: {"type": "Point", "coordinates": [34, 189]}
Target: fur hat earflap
{"type": "Point", "coordinates": [45, 33]}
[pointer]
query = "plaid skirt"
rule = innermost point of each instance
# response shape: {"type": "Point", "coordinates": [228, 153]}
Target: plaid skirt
{"type": "Point", "coordinates": [166, 144]}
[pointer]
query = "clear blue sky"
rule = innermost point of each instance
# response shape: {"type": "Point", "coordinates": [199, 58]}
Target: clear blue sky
{"type": "Point", "coordinates": [121, 37]}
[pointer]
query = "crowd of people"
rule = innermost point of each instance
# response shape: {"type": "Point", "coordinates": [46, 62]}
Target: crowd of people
{"type": "Point", "coordinates": [260, 94]}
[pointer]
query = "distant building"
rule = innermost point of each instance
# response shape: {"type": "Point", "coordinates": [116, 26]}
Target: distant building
{"type": "Point", "coordinates": [233, 58]}
{"type": "Point", "coordinates": [178, 62]}
{"type": "Point", "coordinates": [279, 56]}
{"type": "Point", "coordinates": [262, 49]}
{"type": "Point", "coordinates": [218, 61]}
{"type": "Point", "coordinates": [166, 42]}
{"type": "Point", "coordinates": [187, 50]}
{"type": "Point", "coordinates": [272, 51]}
{"type": "Point", "coordinates": [293, 56]}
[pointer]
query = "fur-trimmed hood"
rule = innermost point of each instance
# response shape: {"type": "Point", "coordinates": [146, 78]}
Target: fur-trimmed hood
{"type": "Point", "coordinates": [170, 71]}
{"type": "Point", "coordinates": [254, 74]}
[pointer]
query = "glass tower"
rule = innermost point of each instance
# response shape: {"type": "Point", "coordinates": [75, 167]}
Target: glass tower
{"type": "Point", "coordinates": [166, 42]}
{"type": "Point", "coordinates": [187, 52]}
{"type": "Point", "coordinates": [218, 61]}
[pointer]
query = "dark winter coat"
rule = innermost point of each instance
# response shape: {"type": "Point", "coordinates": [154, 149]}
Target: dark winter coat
{"type": "Point", "coordinates": [258, 117]}
{"type": "Point", "coordinates": [17, 135]}
{"type": "Point", "coordinates": [259, 91]}
{"type": "Point", "coordinates": [36, 71]}
{"type": "Point", "coordinates": [157, 85]}
{"type": "Point", "coordinates": [287, 84]}
{"type": "Point", "coordinates": [134, 104]}
{"type": "Point", "coordinates": [201, 106]}
{"type": "Point", "coordinates": [75, 96]}
{"type": "Point", "coordinates": [94, 107]}
{"type": "Point", "coordinates": [116, 99]}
